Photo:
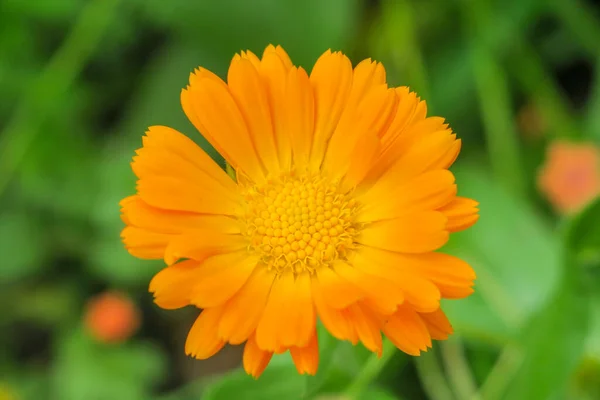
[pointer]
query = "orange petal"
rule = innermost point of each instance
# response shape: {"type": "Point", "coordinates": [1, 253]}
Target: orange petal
{"type": "Point", "coordinates": [221, 276]}
{"type": "Point", "coordinates": [365, 152]}
{"type": "Point", "coordinates": [298, 115]}
{"type": "Point", "coordinates": [172, 286]}
{"type": "Point", "coordinates": [166, 167]}
{"type": "Point", "coordinates": [369, 109]}
{"type": "Point", "coordinates": [211, 107]}
{"type": "Point", "coordinates": [383, 295]}
{"type": "Point", "coordinates": [402, 162]}
{"type": "Point", "coordinates": [428, 191]}
{"type": "Point", "coordinates": [418, 232]}
{"type": "Point", "coordinates": [437, 323]}
{"type": "Point", "coordinates": [255, 360]}
{"type": "Point", "coordinates": [462, 213]}
{"type": "Point", "coordinates": [404, 117]}
{"type": "Point", "coordinates": [333, 319]}
{"type": "Point", "coordinates": [289, 317]}
{"type": "Point", "coordinates": [169, 141]}
{"type": "Point", "coordinates": [142, 215]}
{"type": "Point", "coordinates": [331, 79]}
{"type": "Point", "coordinates": [372, 115]}
{"type": "Point", "coordinates": [145, 244]}
{"type": "Point", "coordinates": [306, 358]}
{"type": "Point", "coordinates": [199, 244]}
{"type": "Point", "coordinates": [242, 313]}
{"type": "Point", "coordinates": [453, 276]}
{"type": "Point", "coordinates": [414, 132]}
{"type": "Point", "coordinates": [202, 341]}
{"type": "Point", "coordinates": [336, 291]}
{"type": "Point", "coordinates": [183, 194]}
{"type": "Point", "coordinates": [250, 94]}
{"type": "Point", "coordinates": [417, 289]}
{"type": "Point", "coordinates": [285, 59]}
{"type": "Point", "coordinates": [274, 69]}
{"type": "Point", "coordinates": [366, 326]}
{"type": "Point", "coordinates": [407, 331]}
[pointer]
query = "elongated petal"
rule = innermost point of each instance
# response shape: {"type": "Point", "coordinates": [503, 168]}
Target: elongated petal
{"type": "Point", "coordinates": [382, 294]}
{"type": "Point", "coordinates": [462, 213]}
{"type": "Point", "coordinates": [140, 214]}
{"type": "Point", "coordinates": [209, 104]}
{"type": "Point", "coordinates": [306, 358]}
{"type": "Point", "coordinates": [419, 232]}
{"type": "Point", "coordinates": [145, 244]}
{"type": "Point", "coordinates": [173, 285]}
{"type": "Point", "coordinates": [199, 244]}
{"type": "Point", "coordinates": [170, 141]}
{"type": "Point", "coordinates": [221, 276]}
{"type": "Point", "coordinates": [371, 116]}
{"type": "Point", "coordinates": [242, 313]}
{"type": "Point", "coordinates": [428, 191]}
{"type": "Point", "coordinates": [289, 317]}
{"type": "Point", "coordinates": [437, 324]}
{"type": "Point", "coordinates": [408, 331]}
{"type": "Point", "coordinates": [202, 341]}
{"type": "Point", "coordinates": [337, 292]}
{"type": "Point", "coordinates": [299, 115]}
{"type": "Point", "coordinates": [331, 79]}
{"type": "Point", "coordinates": [414, 285]}
{"type": "Point", "coordinates": [274, 68]}
{"type": "Point", "coordinates": [250, 94]}
{"type": "Point", "coordinates": [333, 319]}
{"type": "Point", "coordinates": [366, 326]}
{"type": "Point", "coordinates": [255, 360]}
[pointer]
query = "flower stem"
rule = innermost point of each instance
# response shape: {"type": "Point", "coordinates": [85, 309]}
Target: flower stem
{"type": "Point", "coordinates": [370, 371]}
{"type": "Point", "coordinates": [432, 378]}
{"type": "Point", "coordinates": [459, 373]}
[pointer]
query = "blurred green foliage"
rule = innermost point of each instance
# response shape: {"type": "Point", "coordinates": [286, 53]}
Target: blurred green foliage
{"type": "Point", "coordinates": [82, 80]}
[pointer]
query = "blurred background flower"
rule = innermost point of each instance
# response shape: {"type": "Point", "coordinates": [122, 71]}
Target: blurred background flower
{"type": "Point", "coordinates": [81, 80]}
{"type": "Point", "coordinates": [111, 317]}
{"type": "Point", "coordinates": [570, 175]}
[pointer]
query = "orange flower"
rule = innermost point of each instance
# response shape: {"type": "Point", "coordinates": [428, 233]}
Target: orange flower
{"type": "Point", "coordinates": [111, 317]}
{"type": "Point", "coordinates": [570, 177]}
{"type": "Point", "coordinates": [342, 196]}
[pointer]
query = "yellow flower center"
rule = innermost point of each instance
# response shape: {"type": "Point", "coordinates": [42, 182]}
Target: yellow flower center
{"type": "Point", "coordinates": [299, 223]}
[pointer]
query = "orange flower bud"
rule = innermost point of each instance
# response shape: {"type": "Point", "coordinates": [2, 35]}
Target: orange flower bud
{"type": "Point", "coordinates": [111, 317]}
{"type": "Point", "coordinates": [570, 177]}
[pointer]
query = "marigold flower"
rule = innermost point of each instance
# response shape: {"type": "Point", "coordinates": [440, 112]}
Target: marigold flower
{"type": "Point", "coordinates": [111, 317]}
{"type": "Point", "coordinates": [342, 196]}
{"type": "Point", "coordinates": [570, 176]}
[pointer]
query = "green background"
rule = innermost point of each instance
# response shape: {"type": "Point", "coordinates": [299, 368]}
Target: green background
{"type": "Point", "coordinates": [81, 80]}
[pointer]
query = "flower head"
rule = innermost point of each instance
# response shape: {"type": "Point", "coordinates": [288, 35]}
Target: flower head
{"type": "Point", "coordinates": [570, 177]}
{"type": "Point", "coordinates": [111, 317]}
{"type": "Point", "coordinates": [342, 195]}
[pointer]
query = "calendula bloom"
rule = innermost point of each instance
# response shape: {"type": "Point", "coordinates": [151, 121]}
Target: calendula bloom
{"type": "Point", "coordinates": [342, 195]}
{"type": "Point", "coordinates": [570, 176]}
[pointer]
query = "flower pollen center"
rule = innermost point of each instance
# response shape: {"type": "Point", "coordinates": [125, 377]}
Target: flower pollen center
{"type": "Point", "coordinates": [299, 223]}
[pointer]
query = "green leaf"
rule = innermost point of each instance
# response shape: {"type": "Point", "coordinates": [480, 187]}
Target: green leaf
{"type": "Point", "coordinates": [582, 238]}
{"type": "Point", "coordinates": [553, 343]}
{"type": "Point", "coordinates": [583, 231]}
{"type": "Point", "coordinates": [592, 345]}
{"type": "Point", "coordinates": [85, 369]}
{"type": "Point", "coordinates": [515, 255]}
{"type": "Point", "coordinates": [279, 381]}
